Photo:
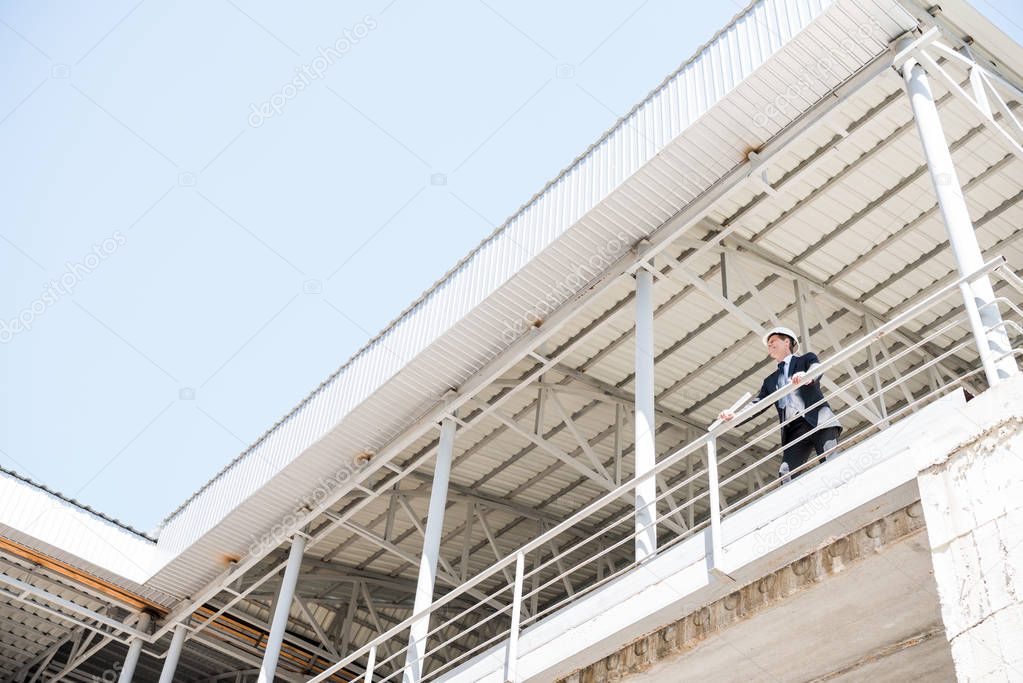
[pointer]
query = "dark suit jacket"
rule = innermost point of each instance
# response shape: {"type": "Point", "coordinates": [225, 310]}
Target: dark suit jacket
{"type": "Point", "coordinates": [810, 393]}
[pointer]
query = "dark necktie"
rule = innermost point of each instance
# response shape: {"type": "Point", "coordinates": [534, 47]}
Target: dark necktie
{"type": "Point", "coordinates": [782, 381]}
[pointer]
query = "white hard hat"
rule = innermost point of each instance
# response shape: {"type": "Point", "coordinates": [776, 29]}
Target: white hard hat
{"type": "Point", "coordinates": [782, 330]}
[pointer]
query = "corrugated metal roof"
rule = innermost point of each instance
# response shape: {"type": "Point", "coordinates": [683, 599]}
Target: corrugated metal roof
{"type": "Point", "coordinates": [613, 195]}
{"type": "Point", "coordinates": [85, 508]}
{"type": "Point", "coordinates": [514, 249]}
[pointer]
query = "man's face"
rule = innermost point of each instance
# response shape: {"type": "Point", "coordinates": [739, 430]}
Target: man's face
{"type": "Point", "coordinates": [778, 347]}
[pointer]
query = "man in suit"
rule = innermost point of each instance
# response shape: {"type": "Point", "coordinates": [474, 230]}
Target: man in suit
{"type": "Point", "coordinates": [807, 419]}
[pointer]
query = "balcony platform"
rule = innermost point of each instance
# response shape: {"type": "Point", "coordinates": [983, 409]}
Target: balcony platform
{"type": "Point", "coordinates": [846, 525]}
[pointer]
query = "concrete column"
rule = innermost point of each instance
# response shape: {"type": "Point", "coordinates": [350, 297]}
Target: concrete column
{"type": "Point", "coordinates": [961, 235]}
{"type": "Point", "coordinates": [132, 658]}
{"type": "Point", "coordinates": [431, 551]}
{"type": "Point", "coordinates": [645, 456]}
{"type": "Point", "coordinates": [970, 479]}
{"type": "Point", "coordinates": [283, 607]}
{"type": "Point", "coordinates": [170, 664]}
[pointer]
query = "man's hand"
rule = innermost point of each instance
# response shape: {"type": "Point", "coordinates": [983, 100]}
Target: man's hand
{"type": "Point", "coordinates": [799, 378]}
{"type": "Point", "coordinates": [726, 415]}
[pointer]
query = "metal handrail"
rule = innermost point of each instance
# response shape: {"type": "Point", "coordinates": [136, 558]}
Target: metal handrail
{"type": "Point", "coordinates": [886, 363]}
{"type": "Point", "coordinates": [870, 396]}
{"type": "Point", "coordinates": [708, 437]}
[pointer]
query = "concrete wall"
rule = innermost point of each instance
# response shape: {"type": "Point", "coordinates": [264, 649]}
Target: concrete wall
{"type": "Point", "coordinates": [971, 488]}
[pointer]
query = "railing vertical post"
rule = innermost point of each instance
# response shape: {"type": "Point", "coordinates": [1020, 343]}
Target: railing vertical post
{"type": "Point", "coordinates": [371, 663]}
{"type": "Point", "coordinates": [644, 452]}
{"type": "Point", "coordinates": [978, 295]}
{"type": "Point", "coordinates": [511, 665]}
{"type": "Point", "coordinates": [714, 497]}
{"type": "Point", "coordinates": [977, 327]}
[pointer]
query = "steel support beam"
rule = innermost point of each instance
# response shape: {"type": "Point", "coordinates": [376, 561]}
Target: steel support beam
{"type": "Point", "coordinates": [645, 453]}
{"type": "Point", "coordinates": [682, 275]}
{"type": "Point", "coordinates": [26, 590]}
{"type": "Point", "coordinates": [79, 656]}
{"type": "Point", "coordinates": [286, 593]}
{"type": "Point", "coordinates": [170, 662]}
{"type": "Point", "coordinates": [317, 627]}
{"type": "Point", "coordinates": [134, 650]}
{"type": "Point", "coordinates": [755, 252]}
{"type": "Point", "coordinates": [804, 329]}
{"type": "Point", "coordinates": [992, 339]}
{"type": "Point", "coordinates": [22, 673]}
{"type": "Point", "coordinates": [415, 655]}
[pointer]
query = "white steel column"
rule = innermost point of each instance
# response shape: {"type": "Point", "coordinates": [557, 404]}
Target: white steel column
{"type": "Point", "coordinates": [283, 607]}
{"type": "Point", "coordinates": [132, 658]}
{"type": "Point", "coordinates": [646, 493]}
{"type": "Point", "coordinates": [170, 664]}
{"type": "Point", "coordinates": [992, 340]}
{"type": "Point", "coordinates": [431, 551]}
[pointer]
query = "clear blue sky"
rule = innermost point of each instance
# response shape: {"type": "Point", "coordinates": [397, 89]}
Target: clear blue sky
{"type": "Point", "coordinates": [188, 264]}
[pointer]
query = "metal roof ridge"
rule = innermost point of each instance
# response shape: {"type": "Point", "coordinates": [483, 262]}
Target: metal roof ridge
{"type": "Point", "coordinates": [81, 506]}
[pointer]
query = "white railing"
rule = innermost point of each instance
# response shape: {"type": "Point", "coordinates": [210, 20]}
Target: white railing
{"type": "Point", "coordinates": [600, 536]}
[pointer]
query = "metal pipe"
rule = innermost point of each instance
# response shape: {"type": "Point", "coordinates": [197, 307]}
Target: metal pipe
{"type": "Point", "coordinates": [283, 607]}
{"type": "Point", "coordinates": [714, 501]}
{"type": "Point", "coordinates": [985, 319]}
{"type": "Point", "coordinates": [431, 552]}
{"type": "Point", "coordinates": [170, 664]}
{"type": "Point", "coordinates": [977, 328]}
{"type": "Point", "coordinates": [370, 665]}
{"type": "Point", "coordinates": [92, 621]}
{"type": "Point", "coordinates": [132, 658]}
{"type": "Point", "coordinates": [511, 667]}
{"type": "Point", "coordinates": [644, 452]}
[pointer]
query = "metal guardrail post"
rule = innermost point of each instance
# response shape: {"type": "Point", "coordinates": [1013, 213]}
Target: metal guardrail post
{"type": "Point", "coordinates": [717, 551]}
{"type": "Point", "coordinates": [714, 497]}
{"type": "Point", "coordinates": [979, 334]}
{"type": "Point", "coordinates": [370, 665]}
{"type": "Point", "coordinates": [511, 665]}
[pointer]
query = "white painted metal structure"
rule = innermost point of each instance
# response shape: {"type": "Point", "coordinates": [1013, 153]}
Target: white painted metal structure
{"type": "Point", "coordinates": [776, 177]}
